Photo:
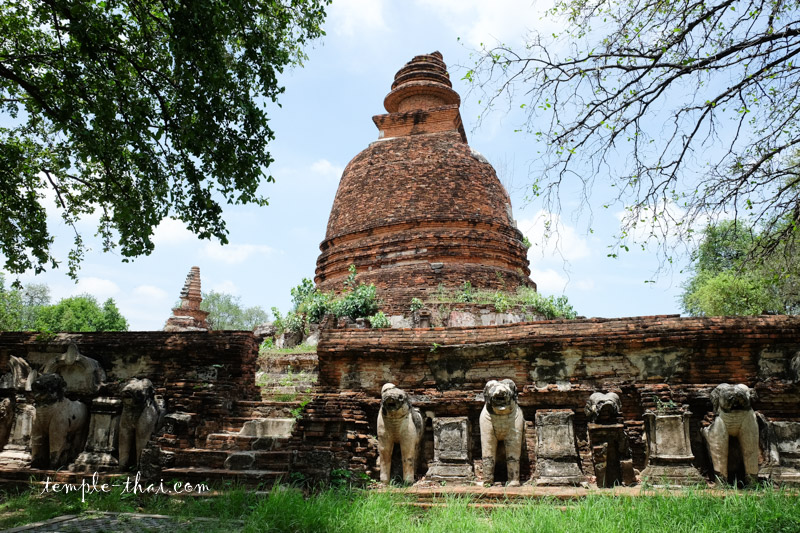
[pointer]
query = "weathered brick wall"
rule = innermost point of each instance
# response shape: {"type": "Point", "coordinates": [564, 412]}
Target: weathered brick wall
{"type": "Point", "coordinates": [558, 364]}
{"type": "Point", "coordinates": [585, 354]}
{"type": "Point", "coordinates": [196, 372]}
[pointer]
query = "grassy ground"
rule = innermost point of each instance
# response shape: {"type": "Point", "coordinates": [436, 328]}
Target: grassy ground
{"type": "Point", "coordinates": [288, 510]}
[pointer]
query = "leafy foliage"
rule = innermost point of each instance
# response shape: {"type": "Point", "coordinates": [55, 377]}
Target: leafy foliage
{"type": "Point", "coordinates": [11, 308]}
{"type": "Point", "coordinates": [81, 313]}
{"type": "Point", "coordinates": [724, 283]}
{"type": "Point", "coordinates": [226, 312]}
{"type": "Point", "coordinates": [356, 301]}
{"type": "Point", "coordinates": [688, 110]}
{"type": "Point", "coordinates": [359, 302]}
{"type": "Point", "coordinates": [138, 110]}
{"type": "Point", "coordinates": [379, 320]}
{"type": "Point", "coordinates": [29, 309]}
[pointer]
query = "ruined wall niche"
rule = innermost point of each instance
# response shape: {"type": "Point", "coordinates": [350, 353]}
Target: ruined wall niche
{"type": "Point", "coordinates": [779, 363]}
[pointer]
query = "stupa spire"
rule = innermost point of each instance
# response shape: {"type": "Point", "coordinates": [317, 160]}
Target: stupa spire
{"type": "Point", "coordinates": [423, 83]}
{"type": "Point", "coordinates": [422, 100]}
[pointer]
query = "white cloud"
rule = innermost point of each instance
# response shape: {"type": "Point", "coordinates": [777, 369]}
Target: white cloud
{"type": "Point", "coordinates": [549, 281]}
{"type": "Point", "coordinates": [551, 238]}
{"type": "Point", "coordinates": [234, 254]}
{"type": "Point", "coordinates": [149, 293]}
{"type": "Point", "coordinates": [100, 288]}
{"type": "Point", "coordinates": [351, 17]}
{"type": "Point", "coordinates": [227, 287]}
{"type": "Point", "coordinates": [480, 22]}
{"type": "Point", "coordinates": [326, 169]}
{"type": "Point", "coordinates": [172, 231]}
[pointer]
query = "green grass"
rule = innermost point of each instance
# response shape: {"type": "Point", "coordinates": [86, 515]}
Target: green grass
{"type": "Point", "coordinates": [288, 510]}
{"type": "Point", "coordinates": [524, 300]}
{"type": "Point", "coordinates": [265, 351]}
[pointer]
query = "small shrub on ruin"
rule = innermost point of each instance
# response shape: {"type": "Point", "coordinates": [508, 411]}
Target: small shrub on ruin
{"type": "Point", "coordinates": [295, 323]}
{"type": "Point", "coordinates": [278, 322]}
{"type": "Point", "coordinates": [379, 320]}
{"type": "Point", "coordinates": [357, 301]}
{"type": "Point", "coordinates": [416, 305]}
{"type": "Point", "coordinates": [524, 300]}
{"type": "Point", "coordinates": [467, 293]}
{"type": "Point", "coordinates": [501, 302]}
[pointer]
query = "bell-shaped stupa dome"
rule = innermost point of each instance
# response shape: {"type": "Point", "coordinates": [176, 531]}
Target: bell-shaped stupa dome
{"type": "Point", "coordinates": [419, 208]}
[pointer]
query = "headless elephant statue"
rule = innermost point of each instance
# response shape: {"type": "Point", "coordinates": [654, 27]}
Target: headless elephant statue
{"type": "Point", "coordinates": [58, 430]}
{"type": "Point", "coordinates": [398, 423]}
{"type": "Point", "coordinates": [140, 418]}
{"type": "Point", "coordinates": [501, 420]}
{"type": "Point", "coordinates": [735, 418]}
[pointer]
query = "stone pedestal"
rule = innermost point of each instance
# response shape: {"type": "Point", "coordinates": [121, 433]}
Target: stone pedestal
{"type": "Point", "coordinates": [783, 454]}
{"type": "Point", "coordinates": [611, 455]}
{"type": "Point", "coordinates": [103, 437]}
{"type": "Point", "coordinates": [452, 451]}
{"type": "Point", "coordinates": [557, 459]}
{"type": "Point", "coordinates": [669, 451]}
{"type": "Point", "coordinates": [17, 451]}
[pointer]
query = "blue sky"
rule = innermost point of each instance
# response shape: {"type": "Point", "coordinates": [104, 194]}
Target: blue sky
{"type": "Point", "coordinates": [324, 121]}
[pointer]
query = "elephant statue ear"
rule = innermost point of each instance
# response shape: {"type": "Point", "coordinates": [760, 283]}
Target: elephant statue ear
{"type": "Point", "coordinates": [715, 394]}
{"type": "Point", "coordinates": [753, 395]}
{"type": "Point", "coordinates": [617, 401]}
{"type": "Point", "coordinates": [489, 386]}
{"type": "Point", "coordinates": [589, 408]}
{"type": "Point", "coordinates": [511, 385]}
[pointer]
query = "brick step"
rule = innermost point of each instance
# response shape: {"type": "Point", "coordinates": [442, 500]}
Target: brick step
{"type": "Point", "coordinates": [260, 427]}
{"type": "Point", "coordinates": [217, 476]}
{"type": "Point", "coordinates": [234, 441]}
{"type": "Point", "coordinates": [277, 460]}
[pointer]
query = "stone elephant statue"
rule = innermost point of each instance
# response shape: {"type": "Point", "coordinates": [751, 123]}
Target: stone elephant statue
{"type": "Point", "coordinates": [501, 420]}
{"type": "Point", "coordinates": [603, 407]}
{"type": "Point", "coordinates": [58, 430]}
{"type": "Point", "coordinates": [6, 419]}
{"type": "Point", "coordinates": [141, 416]}
{"type": "Point", "coordinates": [398, 423]}
{"type": "Point", "coordinates": [735, 418]}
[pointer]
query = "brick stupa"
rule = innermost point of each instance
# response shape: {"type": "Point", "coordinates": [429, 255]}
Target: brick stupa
{"type": "Point", "coordinates": [419, 207]}
{"type": "Point", "coordinates": [188, 316]}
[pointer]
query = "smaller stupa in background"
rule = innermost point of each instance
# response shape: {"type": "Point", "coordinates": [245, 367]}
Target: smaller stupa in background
{"type": "Point", "coordinates": [188, 316]}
